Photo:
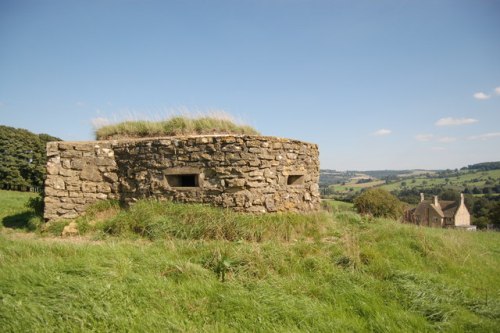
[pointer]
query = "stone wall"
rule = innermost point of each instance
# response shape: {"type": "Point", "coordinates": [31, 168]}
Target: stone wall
{"type": "Point", "coordinates": [245, 173]}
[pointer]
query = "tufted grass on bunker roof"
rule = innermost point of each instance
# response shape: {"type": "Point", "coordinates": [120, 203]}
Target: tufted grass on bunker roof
{"type": "Point", "coordinates": [179, 125]}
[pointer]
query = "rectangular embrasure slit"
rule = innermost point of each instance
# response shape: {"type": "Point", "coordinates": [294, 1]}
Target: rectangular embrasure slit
{"type": "Point", "coordinates": [295, 180]}
{"type": "Point", "coordinates": [183, 180]}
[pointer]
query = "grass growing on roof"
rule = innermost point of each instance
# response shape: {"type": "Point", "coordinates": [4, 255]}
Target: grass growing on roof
{"type": "Point", "coordinates": [179, 125]}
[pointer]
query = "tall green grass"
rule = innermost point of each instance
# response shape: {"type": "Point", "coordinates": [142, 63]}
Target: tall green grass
{"type": "Point", "coordinates": [179, 125]}
{"type": "Point", "coordinates": [20, 210]}
{"type": "Point", "coordinates": [155, 220]}
{"type": "Point", "coordinates": [206, 269]}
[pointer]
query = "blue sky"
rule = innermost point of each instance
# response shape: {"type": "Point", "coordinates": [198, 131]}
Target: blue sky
{"type": "Point", "coordinates": [377, 84]}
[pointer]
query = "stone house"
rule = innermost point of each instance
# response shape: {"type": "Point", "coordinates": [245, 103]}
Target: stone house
{"type": "Point", "coordinates": [440, 213]}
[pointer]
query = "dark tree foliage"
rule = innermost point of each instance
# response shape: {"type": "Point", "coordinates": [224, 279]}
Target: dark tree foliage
{"type": "Point", "coordinates": [379, 203]}
{"type": "Point", "coordinates": [485, 166]}
{"type": "Point", "coordinates": [23, 158]}
{"type": "Point", "coordinates": [449, 194]}
{"type": "Point", "coordinates": [495, 213]}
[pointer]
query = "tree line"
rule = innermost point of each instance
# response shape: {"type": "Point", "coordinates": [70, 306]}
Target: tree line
{"type": "Point", "coordinates": [23, 158]}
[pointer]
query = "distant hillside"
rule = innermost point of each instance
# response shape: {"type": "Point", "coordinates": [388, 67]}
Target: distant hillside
{"type": "Point", "coordinates": [485, 166]}
{"type": "Point", "coordinates": [480, 183]}
{"type": "Point", "coordinates": [329, 177]}
{"type": "Point", "coordinates": [23, 158]}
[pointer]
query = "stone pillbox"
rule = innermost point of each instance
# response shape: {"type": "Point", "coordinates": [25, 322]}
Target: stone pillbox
{"type": "Point", "coordinates": [246, 173]}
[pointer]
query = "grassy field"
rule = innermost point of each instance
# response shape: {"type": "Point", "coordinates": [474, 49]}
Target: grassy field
{"type": "Point", "coordinates": [418, 179]}
{"type": "Point", "coordinates": [356, 187]}
{"type": "Point", "coordinates": [168, 267]}
{"type": "Point", "coordinates": [469, 179]}
{"type": "Point", "coordinates": [13, 210]}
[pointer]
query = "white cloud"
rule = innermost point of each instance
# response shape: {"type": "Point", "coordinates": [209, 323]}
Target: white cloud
{"type": "Point", "coordinates": [100, 122]}
{"type": "Point", "coordinates": [79, 104]}
{"type": "Point", "coordinates": [424, 137]}
{"type": "Point", "coordinates": [446, 139]}
{"type": "Point", "coordinates": [438, 148]}
{"type": "Point", "coordinates": [481, 96]}
{"type": "Point", "coordinates": [497, 90]}
{"type": "Point", "coordinates": [449, 121]}
{"type": "Point", "coordinates": [486, 136]}
{"type": "Point", "coordinates": [382, 132]}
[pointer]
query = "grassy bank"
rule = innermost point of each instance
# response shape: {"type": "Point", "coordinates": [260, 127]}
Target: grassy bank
{"type": "Point", "coordinates": [212, 270]}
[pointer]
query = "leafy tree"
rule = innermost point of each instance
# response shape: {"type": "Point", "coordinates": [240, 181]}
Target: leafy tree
{"type": "Point", "coordinates": [23, 158]}
{"type": "Point", "coordinates": [481, 222]}
{"type": "Point", "coordinates": [495, 214]}
{"type": "Point", "coordinates": [475, 190]}
{"type": "Point", "coordinates": [485, 166]}
{"type": "Point", "coordinates": [379, 203]}
{"type": "Point", "coordinates": [450, 195]}
{"type": "Point", "coordinates": [487, 190]}
{"type": "Point", "coordinates": [481, 207]}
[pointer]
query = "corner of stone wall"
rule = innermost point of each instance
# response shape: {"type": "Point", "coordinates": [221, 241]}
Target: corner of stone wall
{"type": "Point", "coordinates": [78, 174]}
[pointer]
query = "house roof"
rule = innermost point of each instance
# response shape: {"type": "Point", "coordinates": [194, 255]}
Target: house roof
{"type": "Point", "coordinates": [449, 207]}
{"type": "Point", "coordinates": [445, 208]}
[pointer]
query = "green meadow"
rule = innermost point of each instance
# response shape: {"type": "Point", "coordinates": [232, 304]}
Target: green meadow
{"type": "Point", "coordinates": [161, 266]}
{"type": "Point", "coordinates": [459, 181]}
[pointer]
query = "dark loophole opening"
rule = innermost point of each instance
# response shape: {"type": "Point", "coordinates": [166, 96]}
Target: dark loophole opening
{"type": "Point", "coordinates": [295, 180]}
{"type": "Point", "coordinates": [186, 180]}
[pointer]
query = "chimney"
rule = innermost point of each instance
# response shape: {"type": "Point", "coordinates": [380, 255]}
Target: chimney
{"type": "Point", "coordinates": [436, 202]}
{"type": "Point", "coordinates": [462, 201]}
{"type": "Point", "coordinates": [422, 197]}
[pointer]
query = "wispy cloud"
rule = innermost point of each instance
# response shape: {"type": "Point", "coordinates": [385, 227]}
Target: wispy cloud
{"type": "Point", "coordinates": [382, 132]}
{"type": "Point", "coordinates": [497, 90]}
{"type": "Point", "coordinates": [432, 137]}
{"type": "Point", "coordinates": [100, 122]}
{"type": "Point", "coordinates": [79, 104]}
{"type": "Point", "coordinates": [486, 136]}
{"type": "Point", "coordinates": [449, 121]}
{"type": "Point", "coordinates": [446, 139]}
{"type": "Point", "coordinates": [481, 96]}
{"type": "Point", "coordinates": [438, 148]}
{"type": "Point", "coordinates": [424, 137]}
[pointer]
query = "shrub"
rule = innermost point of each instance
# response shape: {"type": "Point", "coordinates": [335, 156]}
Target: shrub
{"type": "Point", "coordinates": [379, 203]}
{"type": "Point", "coordinates": [36, 204]}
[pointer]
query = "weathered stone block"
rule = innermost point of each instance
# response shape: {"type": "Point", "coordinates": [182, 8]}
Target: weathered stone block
{"type": "Point", "coordinates": [52, 169]}
{"type": "Point", "coordinates": [89, 187]}
{"type": "Point", "coordinates": [105, 161]}
{"type": "Point", "coordinates": [71, 153]}
{"type": "Point", "coordinates": [238, 182]}
{"type": "Point", "coordinates": [91, 172]}
{"type": "Point", "coordinates": [67, 172]}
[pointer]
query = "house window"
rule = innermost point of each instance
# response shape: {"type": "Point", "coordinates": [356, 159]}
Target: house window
{"type": "Point", "coordinates": [183, 180]}
{"type": "Point", "coordinates": [295, 180]}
